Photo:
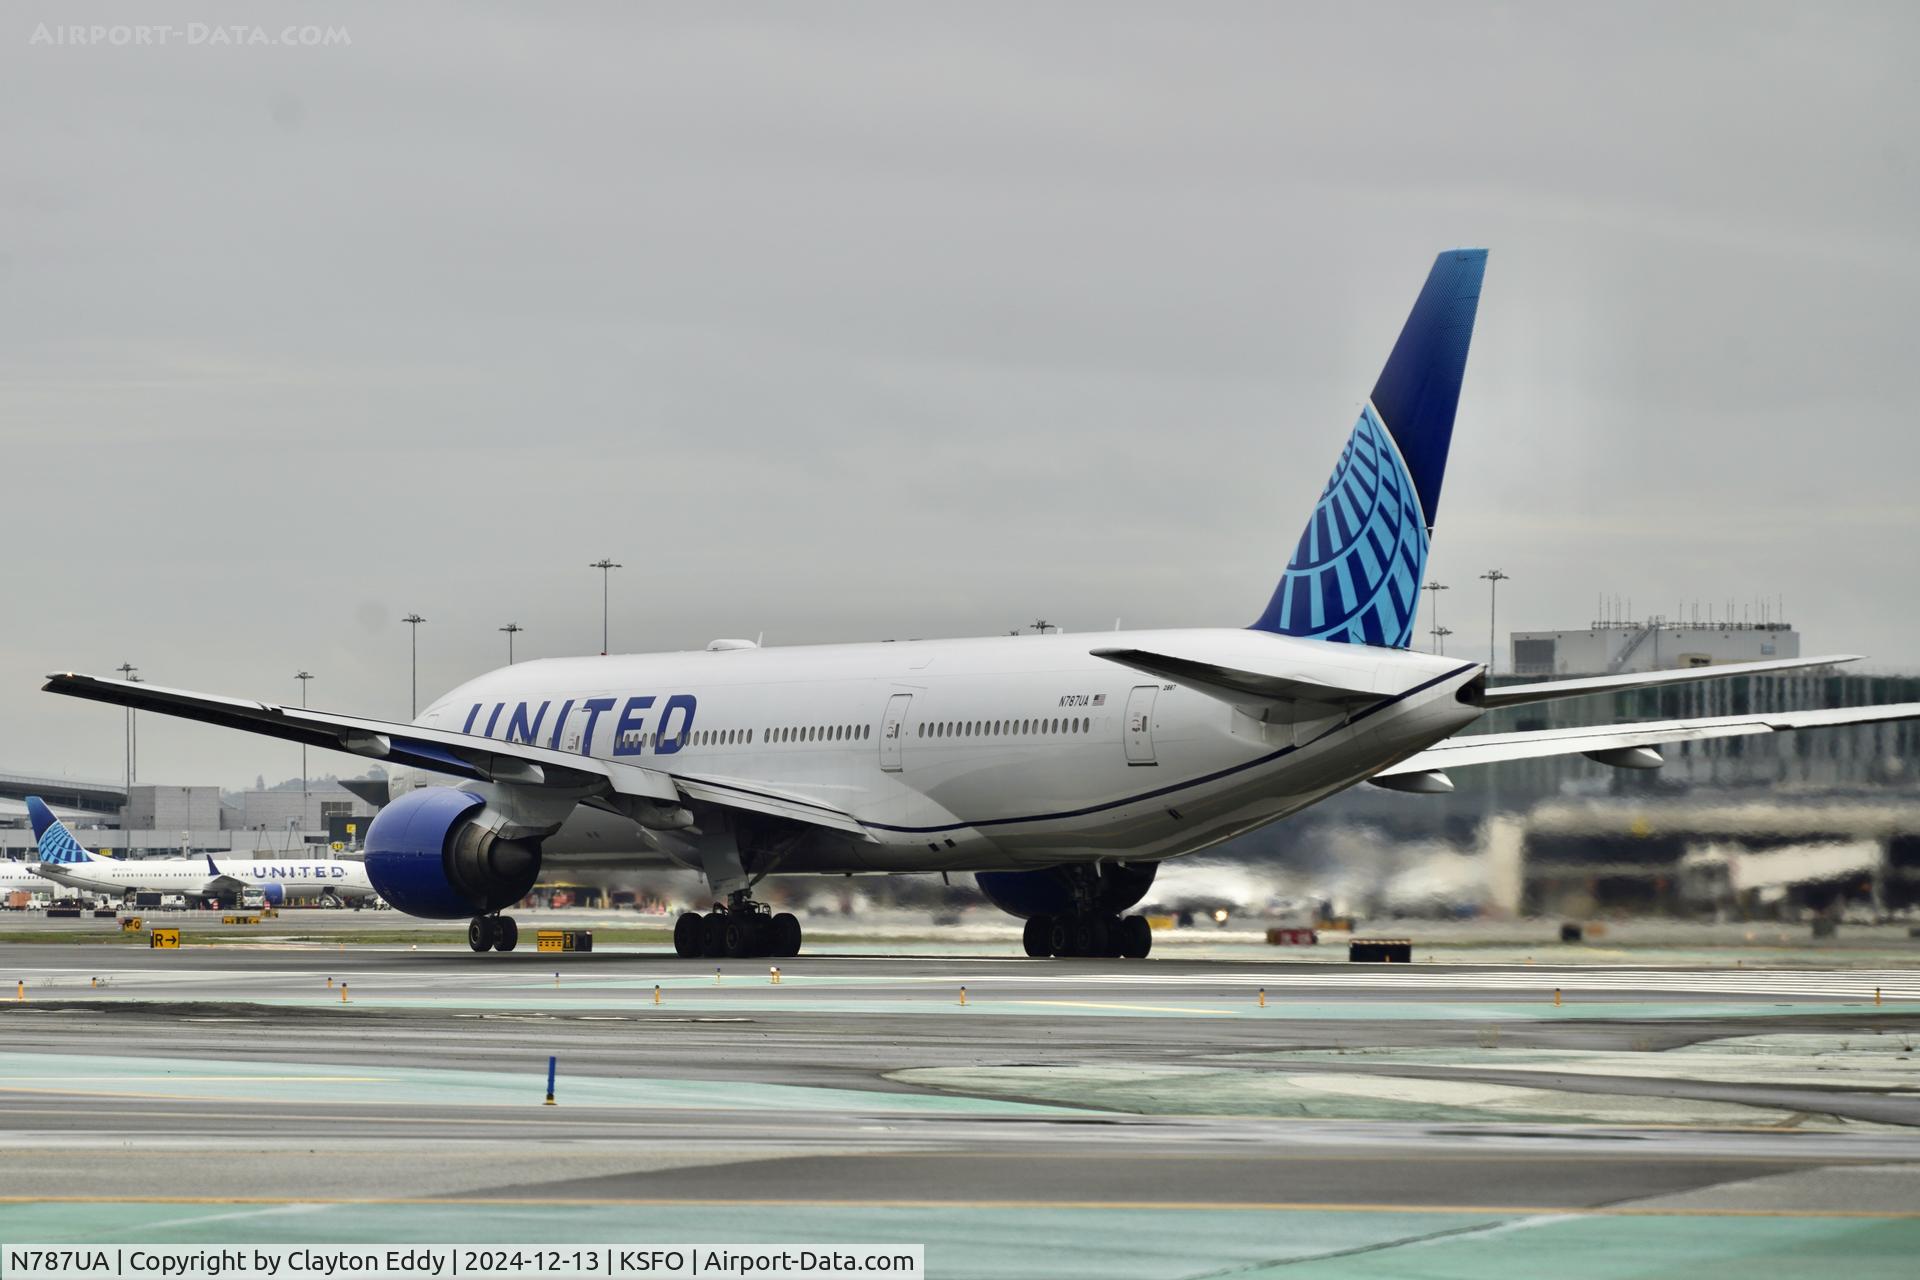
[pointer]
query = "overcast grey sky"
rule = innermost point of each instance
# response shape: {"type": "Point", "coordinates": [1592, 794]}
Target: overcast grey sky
{"type": "Point", "coordinates": [842, 322]}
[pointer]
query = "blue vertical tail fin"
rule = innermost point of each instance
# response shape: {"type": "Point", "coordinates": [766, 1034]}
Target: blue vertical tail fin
{"type": "Point", "coordinates": [1355, 575]}
{"type": "Point", "coordinates": [57, 844]}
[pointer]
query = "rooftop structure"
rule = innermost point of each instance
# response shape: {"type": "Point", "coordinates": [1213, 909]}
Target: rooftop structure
{"type": "Point", "coordinates": [1658, 644]}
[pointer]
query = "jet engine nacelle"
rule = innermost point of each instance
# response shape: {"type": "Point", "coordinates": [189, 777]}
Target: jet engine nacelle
{"type": "Point", "coordinates": [1049, 892]}
{"type": "Point", "coordinates": [437, 852]}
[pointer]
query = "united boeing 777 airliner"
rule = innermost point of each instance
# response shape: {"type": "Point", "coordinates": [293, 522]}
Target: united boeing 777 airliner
{"type": "Point", "coordinates": [1059, 769]}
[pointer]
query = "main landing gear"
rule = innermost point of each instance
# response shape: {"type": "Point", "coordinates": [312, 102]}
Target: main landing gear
{"type": "Point", "coordinates": [739, 929]}
{"type": "Point", "coordinates": [1088, 933]}
{"type": "Point", "coordinates": [493, 933]}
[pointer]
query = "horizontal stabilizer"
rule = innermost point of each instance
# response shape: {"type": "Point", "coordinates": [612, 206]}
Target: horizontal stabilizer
{"type": "Point", "coordinates": [1260, 694]}
{"type": "Point", "coordinates": [1623, 745]}
{"type": "Point", "coordinates": [1514, 695]}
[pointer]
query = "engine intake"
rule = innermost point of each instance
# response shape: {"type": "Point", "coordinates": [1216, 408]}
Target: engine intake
{"type": "Point", "coordinates": [430, 854]}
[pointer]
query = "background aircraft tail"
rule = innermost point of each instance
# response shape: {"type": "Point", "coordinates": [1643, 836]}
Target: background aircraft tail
{"type": "Point", "coordinates": [1355, 576]}
{"type": "Point", "coordinates": [57, 844]}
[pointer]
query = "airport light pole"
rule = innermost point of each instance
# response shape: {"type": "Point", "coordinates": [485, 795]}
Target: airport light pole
{"type": "Point", "coordinates": [414, 620]}
{"type": "Point", "coordinates": [606, 566]}
{"type": "Point", "coordinates": [1493, 578]}
{"type": "Point", "coordinates": [126, 670]}
{"type": "Point", "coordinates": [1433, 607]}
{"type": "Point", "coordinates": [1440, 635]}
{"type": "Point", "coordinates": [511, 629]}
{"type": "Point", "coordinates": [303, 677]}
{"type": "Point", "coordinates": [133, 737]}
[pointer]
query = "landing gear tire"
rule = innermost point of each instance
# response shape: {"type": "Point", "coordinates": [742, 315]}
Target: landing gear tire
{"type": "Point", "coordinates": [506, 933]}
{"type": "Point", "coordinates": [783, 935]}
{"type": "Point", "coordinates": [329, 901]}
{"type": "Point", "coordinates": [689, 936]}
{"type": "Point", "coordinates": [1089, 936]}
{"type": "Point", "coordinates": [480, 933]}
{"type": "Point", "coordinates": [714, 934]}
{"type": "Point", "coordinates": [742, 934]}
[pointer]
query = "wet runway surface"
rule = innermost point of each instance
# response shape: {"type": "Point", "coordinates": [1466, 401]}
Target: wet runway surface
{"type": "Point", "coordinates": [1072, 1118]}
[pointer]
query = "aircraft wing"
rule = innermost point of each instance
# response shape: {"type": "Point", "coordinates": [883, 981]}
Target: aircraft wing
{"type": "Point", "coordinates": [464, 755]}
{"type": "Point", "coordinates": [1513, 695]}
{"type": "Point", "coordinates": [1598, 740]}
{"type": "Point", "coordinates": [222, 882]}
{"type": "Point", "coordinates": [752, 794]}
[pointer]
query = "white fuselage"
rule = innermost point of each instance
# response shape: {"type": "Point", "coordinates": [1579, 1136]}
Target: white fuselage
{"type": "Point", "coordinates": [1007, 752]}
{"type": "Point", "coordinates": [23, 877]}
{"type": "Point", "coordinates": [117, 876]}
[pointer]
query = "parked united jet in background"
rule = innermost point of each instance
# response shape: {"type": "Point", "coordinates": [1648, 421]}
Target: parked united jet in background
{"type": "Point", "coordinates": [1060, 769]}
{"type": "Point", "coordinates": [64, 860]}
{"type": "Point", "coordinates": [23, 877]}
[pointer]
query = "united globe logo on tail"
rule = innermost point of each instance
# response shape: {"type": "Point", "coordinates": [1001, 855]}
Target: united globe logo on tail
{"type": "Point", "coordinates": [1355, 575]}
{"type": "Point", "coordinates": [56, 843]}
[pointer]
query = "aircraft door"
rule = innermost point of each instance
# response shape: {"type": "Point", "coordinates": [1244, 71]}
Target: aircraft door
{"type": "Point", "coordinates": [893, 730]}
{"type": "Point", "coordinates": [1139, 726]}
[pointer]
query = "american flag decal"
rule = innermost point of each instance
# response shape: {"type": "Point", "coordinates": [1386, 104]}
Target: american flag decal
{"type": "Point", "coordinates": [1099, 699]}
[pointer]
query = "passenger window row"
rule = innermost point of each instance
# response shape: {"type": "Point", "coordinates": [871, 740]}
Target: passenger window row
{"type": "Point", "coordinates": [1004, 728]}
{"type": "Point", "coordinates": [821, 733]}
{"type": "Point", "coordinates": [692, 738]}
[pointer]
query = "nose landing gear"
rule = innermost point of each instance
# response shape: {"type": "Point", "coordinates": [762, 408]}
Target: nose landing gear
{"type": "Point", "coordinates": [741, 928]}
{"type": "Point", "coordinates": [493, 933]}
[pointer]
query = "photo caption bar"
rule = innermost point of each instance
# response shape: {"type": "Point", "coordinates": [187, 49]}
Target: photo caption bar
{"type": "Point", "coordinates": [472, 1262]}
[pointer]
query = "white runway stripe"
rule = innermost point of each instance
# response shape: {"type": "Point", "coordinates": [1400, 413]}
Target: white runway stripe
{"type": "Point", "coordinates": [1894, 984]}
